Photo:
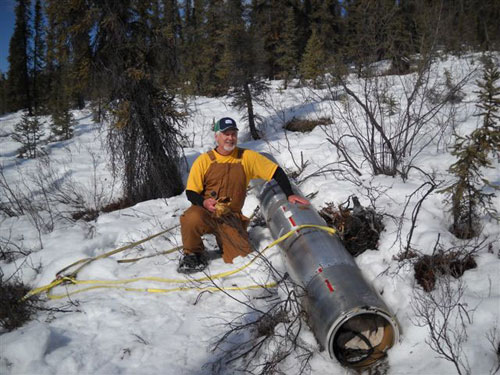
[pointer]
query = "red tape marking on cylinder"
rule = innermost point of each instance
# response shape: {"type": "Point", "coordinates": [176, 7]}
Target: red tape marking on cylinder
{"type": "Point", "coordinates": [288, 215]}
{"type": "Point", "coordinates": [329, 285]}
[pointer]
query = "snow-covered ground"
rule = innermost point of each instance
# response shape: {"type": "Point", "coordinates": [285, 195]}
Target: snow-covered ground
{"type": "Point", "coordinates": [118, 331]}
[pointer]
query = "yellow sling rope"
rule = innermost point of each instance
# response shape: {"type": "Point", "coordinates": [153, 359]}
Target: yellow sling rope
{"type": "Point", "coordinates": [118, 284]}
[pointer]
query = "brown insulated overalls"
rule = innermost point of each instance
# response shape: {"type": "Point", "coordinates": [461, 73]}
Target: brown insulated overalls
{"type": "Point", "coordinates": [221, 180]}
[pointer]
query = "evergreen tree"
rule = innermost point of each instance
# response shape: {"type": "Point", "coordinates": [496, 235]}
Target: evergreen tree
{"type": "Point", "coordinates": [359, 33]}
{"type": "Point", "coordinates": [469, 25]}
{"type": "Point", "coordinates": [38, 57]}
{"type": "Point", "coordinates": [303, 10]}
{"type": "Point", "coordinates": [287, 51]}
{"type": "Point", "coordinates": [400, 33]}
{"type": "Point", "coordinates": [325, 19]}
{"type": "Point", "coordinates": [4, 105]}
{"type": "Point", "coordinates": [28, 132]}
{"type": "Point", "coordinates": [211, 55]}
{"type": "Point", "coordinates": [18, 75]}
{"type": "Point", "coordinates": [80, 20]}
{"type": "Point", "coordinates": [488, 135]}
{"type": "Point", "coordinates": [467, 193]}
{"type": "Point", "coordinates": [62, 123]}
{"type": "Point", "coordinates": [486, 24]}
{"type": "Point", "coordinates": [193, 45]}
{"type": "Point", "coordinates": [145, 120]}
{"type": "Point", "coordinates": [203, 43]}
{"type": "Point", "coordinates": [58, 58]}
{"type": "Point", "coordinates": [465, 25]}
{"type": "Point", "coordinates": [170, 32]}
{"type": "Point", "coordinates": [384, 30]}
{"type": "Point", "coordinates": [268, 21]}
{"type": "Point", "coordinates": [314, 60]}
{"type": "Point", "coordinates": [453, 25]}
{"type": "Point", "coordinates": [239, 67]}
{"type": "Point", "coordinates": [68, 51]}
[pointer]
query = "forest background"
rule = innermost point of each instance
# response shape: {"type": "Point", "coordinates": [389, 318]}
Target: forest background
{"type": "Point", "coordinates": [134, 60]}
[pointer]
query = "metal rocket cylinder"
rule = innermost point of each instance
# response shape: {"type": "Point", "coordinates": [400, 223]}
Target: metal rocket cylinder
{"type": "Point", "coordinates": [347, 316]}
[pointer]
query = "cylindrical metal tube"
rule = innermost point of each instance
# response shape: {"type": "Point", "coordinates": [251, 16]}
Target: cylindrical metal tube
{"type": "Point", "coordinates": [345, 313]}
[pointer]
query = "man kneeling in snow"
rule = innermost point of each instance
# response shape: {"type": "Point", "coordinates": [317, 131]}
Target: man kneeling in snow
{"type": "Point", "coordinates": [216, 187]}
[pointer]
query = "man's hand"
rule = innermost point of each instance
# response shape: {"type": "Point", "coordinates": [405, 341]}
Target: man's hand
{"type": "Point", "coordinates": [209, 204]}
{"type": "Point", "coordinates": [296, 199]}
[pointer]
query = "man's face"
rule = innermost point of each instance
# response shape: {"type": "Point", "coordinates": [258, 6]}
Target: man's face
{"type": "Point", "coordinates": [227, 140]}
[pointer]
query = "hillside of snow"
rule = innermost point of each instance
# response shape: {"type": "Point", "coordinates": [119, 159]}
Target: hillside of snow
{"type": "Point", "coordinates": [130, 329]}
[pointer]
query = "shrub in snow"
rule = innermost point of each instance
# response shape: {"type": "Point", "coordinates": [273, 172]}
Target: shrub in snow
{"type": "Point", "coordinates": [28, 132]}
{"type": "Point", "coordinates": [62, 124]}
{"type": "Point", "coordinates": [14, 312]}
{"type": "Point", "coordinates": [447, 92]}
{"type": "Point", "coordinates": [429, 267]}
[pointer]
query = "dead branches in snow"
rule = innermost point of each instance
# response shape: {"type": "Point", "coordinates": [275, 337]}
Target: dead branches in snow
{"type": "Point", "coordinates": [447, 318]}
{"type": "Point", "coordinates": [269, 337]}
{"type": "Point", "coordinates": [372, 127]}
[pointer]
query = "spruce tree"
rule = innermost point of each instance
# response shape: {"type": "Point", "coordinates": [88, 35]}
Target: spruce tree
{"type": "Point", "coordinates": [314, 61]}
{"type": "Point", "coordinates": [19, 61]}
{"type": "Point", "coordinates": [28, 132]}
{"type": "Point", "coordinates": [58, 59]}
{"type": "Point", "coordinates": [486, 24]}
{"type": "Point", "coordinates": [80, 21]}
{"type": "Point", "coordinates": [239, 67]}
{"type": "Point", "coordinates": [38, 57]}
{"type": "Point", "coordinates": [287, 51]}
{"type": "Point", "coordinates": [326, 20]}
{"type": "Point", "coordinates": [303, 9]}
{"type": "Point", "coordinates": [488, 135]}
{"type": "Point", "coordinates": [468, 195]}
{"type": "Point", "coordinates": [368, 31]}
{"type": "Point", "coordinates": [211, 55]}
{"type": "Point", "coordinates": [268, 20]}
{"type": "Point", "coordinates": [193, 43]}
{"type": "Point", "coordinates": [358, 31]}
{"type": "Point", "coordinates": [203, 47]}
{"type": "Point", "coordinates": [4, 105]}
{"type": "Point", "coordinates": [399, 44]}
{"type": "Point", "coordinates": [466, 25]}
{"type": "Point", "coordinates": [169, 30]}
{"type": "Point", "coordinates": [145, 120]}
{"type": "Point", "coordinates": [62, 123]}
{"type": "Point", "coordinates": [68, 50]}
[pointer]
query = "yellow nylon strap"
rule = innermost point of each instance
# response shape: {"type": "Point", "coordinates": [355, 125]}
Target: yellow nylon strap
{"type": "Point", "coordinates": [150, 256]}
{"type": "Point", "coordinates": [112, 252]}
{"type": "Point", "coordinates": [44, 288]}
{"type": "Point", "coordinates": [116, 283]}
{"type": "Point", "coordinates": [158, 290]}
{"type": "Point", "coordinates": [282, 238]}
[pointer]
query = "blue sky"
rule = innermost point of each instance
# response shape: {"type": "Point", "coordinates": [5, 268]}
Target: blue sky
{"type": "Point", "coordinates": [6, 30]}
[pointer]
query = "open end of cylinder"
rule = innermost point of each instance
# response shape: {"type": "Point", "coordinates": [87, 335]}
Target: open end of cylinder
{"type": "Point", "coordinates": [363, 339]}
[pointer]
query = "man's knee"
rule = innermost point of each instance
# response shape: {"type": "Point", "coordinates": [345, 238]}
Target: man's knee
{"type": "Point", "coordinates": [194, 216]}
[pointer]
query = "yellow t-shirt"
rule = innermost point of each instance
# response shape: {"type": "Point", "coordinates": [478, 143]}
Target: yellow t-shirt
{"type": "Point", "coordinates": [254, 164]}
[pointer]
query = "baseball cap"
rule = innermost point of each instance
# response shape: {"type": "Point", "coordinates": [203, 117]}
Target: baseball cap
{"type": "Point", "coordinates": [224, 124]}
